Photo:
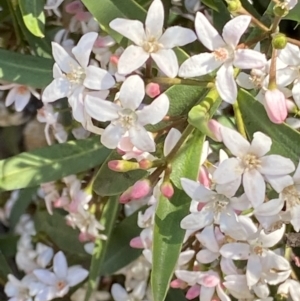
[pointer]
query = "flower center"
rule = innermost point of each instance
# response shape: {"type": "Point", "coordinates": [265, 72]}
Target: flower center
{"type": "Point", "coordinates": [221, 54]}
{"type": "Point", "coordinates": [22, 89]}
{"type": "Point", "coordinates": [127, 118]}
{"type": "Point", "coordinates": [76, 76]}
{"type": "Point", "coordinates": [256, 77]}
{"type": "Point", "coordinates": [250, 162]}
{"type": "Point", "coordinates": [60, 285]}
{"type": "Point", "coordinates": [291, 196]}
{"type": "Point", "coordinates": [151, 44]}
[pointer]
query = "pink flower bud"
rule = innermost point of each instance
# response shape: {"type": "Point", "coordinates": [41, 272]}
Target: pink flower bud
{"type": "Point", "coordinates": [275, 105]}
{"type": "Point", "coordinates": [140, 189]}
{"type": "Point", "coordinates": [203, 177]}
{"type": "Point", "coordinates": [74, 7]}
{"type": "Point", "coordinates": [193, 292]}
{"type": "Point", "coordinates": [114, 59]}
{"type": "Point", "coordinates": [122, 165]}
{"type": "Point", "coordinates": [83, 16]}
{"type": "Point", "coordinates": [178, 283]}
{"type": "Point", "coordinates": [152, 90]}
{"type": "Point", "coordinates": [214, 126]}
{"type": "Point", "coordinates": [136, 243]}
{"type": "Point", "coordinates": [126, 196]}
{"type": "Point", "coordinates": [167, 189]}
{"type": "Point", "coordinates": [145, 164]}
{"type": "Point", "coordinates": [84, 236]}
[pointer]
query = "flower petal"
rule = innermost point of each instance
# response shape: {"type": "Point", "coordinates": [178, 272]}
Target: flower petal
{"type": "Point", "coordinates": [207, 239]}
{"type": "Point", "coordinates": [171, 140]}
{"type": "Point", "coordinates": [45, 276]}
{"type": "Point", "coordinates": [63, 59]}
{"type": "Point", "coordinates": [198, 220]}
{"type": "Point", "coordinates": [206, 256]}
{"type": "Point", "coordinates": [155, 112]}
{"type": "Point", "coordinates": [98, 79]}
{"type": "Point", "coordinates": [269, 208]}
{"type": "Point", "coordinates": [207, 34]}
{"type": "Point", "coordinates": [57, 89]}
{"type": "Point", "coordinates": [189, 186]}
{"type": "Point", "coordinates": [255, 187]}
{"type": "Point", "coordinates": [177, 36]}
{"type": "Point", "coordinates": [131, 59]}
{"type": "Point", "coordinates": [141, 139]}
{"type": "Point", "coordinates": [155, 19]}
{"type": "Point", "coordinates": [236, 251]}
{"type": "Point", "coordinates": [132, 92]}
{"type": "Point", "coordinates": [296, 92]}
{"type": "Point", "coordinates": [225, 83]}
{"type": "Point", "coordinates": [249, 59]}
{"type": "Point", "coordinates": [290, 55]}
{"type": "Point", "coordinates": [198, 65]}
{"type": "Point", "coordinates": [60, 265]}
{"type": "Point", "coordinates": [260, 145]}
{"type": "Point", "coordinates": [131, 29]}
{"type": "Point", "coordinates": [276, 165]}
{"type": "Point", "coordinates": [112, 135]}
{"type": "Point", "coordinates": [21, 100]}
{"type": "Point", "coordinates": [84, 48]}
{"type": "Point", "coordinates": [166, 61]}
{"type": "Point", "coordinates": [76, 274]}
{"type": "Point", "coordinates": [102, 110]}
{"type": "Point", "coordinates": [234, 29]}
{"type": "Point", "coordinates": [254, 270]}
{"type": "Point", "coordinates": [228, 171]}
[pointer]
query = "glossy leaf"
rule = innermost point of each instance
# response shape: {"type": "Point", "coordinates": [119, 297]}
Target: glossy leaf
{"type": "Point", "coordinates": [285, 140]}
{"type": "Point", "coordinates": [24, 199]}
{"type": "Point", "coordinates": [108, 219]}
{"type": "Point", "coordinates": [25, 69]}
{"type": "Point", "coordinates": [167, 241]}
{"type": "Point", "coordinates": [119, 253]}
{"type": "Point", "coordinates": [51, 163]}
{"type": "Point", "coordinates": [108, 182]}
{"type": "Point", "coordinates": [62, 235]}
{"type": "Point", "coordinates": [294, 14]}
{"type": "Point", "coordinates": [33, 16]}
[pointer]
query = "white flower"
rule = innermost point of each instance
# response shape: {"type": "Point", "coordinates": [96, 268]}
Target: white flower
{"type": "Point", "coordinates": [224, 54]}
{"type": "Point", "coordinates": [125, 115]}
{"type": "Point", "coordinates": [60, 280]}
{"type": "Point", "coordinates": [18, 94]}
{"type": "Point", "coordinates": [250, 162]}
{"type": "Point", "coordinates": [72, 77]}
{"type": "Point", "coordinates": [290, 287]}
{"type": "Point", "coordinates": [238, 287]}
{"type": "Point", "coordinates": [218, 208]}
{"type": "Point", "coordinates": [52, 5]}
{"type": "Point", "coordinates": [151, 41]}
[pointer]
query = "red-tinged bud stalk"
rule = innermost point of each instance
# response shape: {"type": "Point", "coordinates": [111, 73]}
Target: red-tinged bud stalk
{"type": "Point", "coordinates": [141, 189]}
{"type": "Point", "coordinates": [153, 90]}
{"type": "Point", "coordinates": [122, 165]}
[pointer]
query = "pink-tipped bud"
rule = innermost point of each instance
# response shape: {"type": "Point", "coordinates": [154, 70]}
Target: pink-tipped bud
{"type": "Point", "coordinates": [136, 243]}
{"type": "Point", "coordinates": [178, 283]}
{"type": "Point", "coordinates": [74, 7]}
{"type": "Point", "coordinates": [167, 189]}
{"type": "Point", "coordinates": [140, 189]}
{"type": "Point", "coordinates": [145, 164]}
{"type": "Point", "coordinates": [83, 16]}
{"type": "Point", "coordinates": [126, 196]}
{"type": "Point", "coordinates": [114, 59]}
{"type": "Point", "coordinates": [275, 105]}
{"type": "Point", "coordinates": [152, 90]}
{"type": "Point", "coordinates": [215, 128]}
{"type": "Point", "coordinates": [122, 165]}
{"type": "Point", "coordinates": [203, 177]}
{"type": "Point", "coordinates": [84, 236]}
{"type": "Point", "coordinates": [193, 292]}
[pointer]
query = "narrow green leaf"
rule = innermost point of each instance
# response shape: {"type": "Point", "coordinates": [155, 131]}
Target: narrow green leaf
{"type": "Point", "coordinates": [294, 14]}
{"type": "Point", "coordinates": [175, 295]}
{"type": "Point", "coordinates": [118, 245]}
{"type": "Point", "coordinates": [108, 182]}
{"type": "Point", "coordinates": [167, 241]}
{"type": "Point", "coordinates": [62, 235]}
{"type": "Point", "coordinates": [108, 219]}
{"type": "Point", "coordinates": [4, 267]}
{"type": "Point", "coordinates": [21, 204]}
{"type": "Point", "coordinates": [51, 163]}
{"type": "Point", "coordinates": [33, 16]}
{"type": "Point", "coordinates": [285, 140]}
{"type": "Point", "coordinates": [25, 69]}
{"type": "Point", "coordinates": [8, 244]}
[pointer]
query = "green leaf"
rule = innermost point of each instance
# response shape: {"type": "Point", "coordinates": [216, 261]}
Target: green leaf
{"type": "Point", "coordinates": [4, 267]}
{"type": "Point", "coordinates": [294, 14]}
{"type": "Point", "coordinates": [33, 16]}
{"type": "Point", "coordinates": [51, 163]}
{"type": "Point", "coordinates": [25, 69]}
{"type": "Point", "coordinates": [167, 241]}
{"type": "Point", "coordinates": [108, 219]}
{"type": "Point", "coordinates": [119, 253]}
{"type": "Point", "coordinates": [62, 235]}
{"type": "Point", "coordinates": [21, 204]}
{"type": "Point", "coordinates": [285, 140]}
{"type": "Point", "coordinates": [111, 9]}
{"type": "Point", "coordinates": [8, 244]}
{"type": "Point", "coordinates": [108, 182]}
{"type": "Point", "coordinates": [175, 295]}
